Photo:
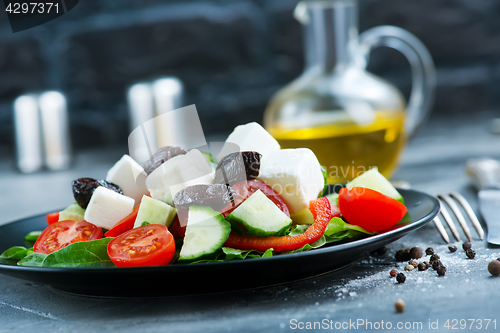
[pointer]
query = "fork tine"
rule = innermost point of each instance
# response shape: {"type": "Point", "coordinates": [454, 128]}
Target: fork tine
{"type": "Point", "coordinates": [442, 231]}
{"type": "Point", "coordinates": [457, 196]}
{"type": "Point", "coordinates": [461, 219]}
{"type": "Point", "coordinates": [449, 220]}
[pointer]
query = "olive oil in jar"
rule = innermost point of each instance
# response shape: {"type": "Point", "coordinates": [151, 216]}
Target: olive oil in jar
{"type": "Point", "coordinates": [347, 149]}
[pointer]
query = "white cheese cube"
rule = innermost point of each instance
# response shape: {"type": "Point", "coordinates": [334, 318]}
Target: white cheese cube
{"type": "Point", "coordinates": [178, 173]}
{"type": "Point", "coordinates": [250, 137]}
{"type": "Point", "coordinates": [106, 208]}
{"type": "Point", "coordinates": [295, 174]}
{"type": "Point", "coordinates": [130, 176]}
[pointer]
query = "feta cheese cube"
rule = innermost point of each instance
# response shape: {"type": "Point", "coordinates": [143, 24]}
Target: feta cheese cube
{"type": "Point", "coordinates": [178, 173]}
{"type": "Point", "coordinates": [106, 208]}
{"type": "Point", "coordinates": [130, 176]}
{"type": "Point", "coordinates": [250, 137]}
{"type": "Point", "coordinates": [295, 174]}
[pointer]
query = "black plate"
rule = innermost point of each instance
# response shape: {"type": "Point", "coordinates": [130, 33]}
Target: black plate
{"type": "Point", "coordinates": [212, 277]}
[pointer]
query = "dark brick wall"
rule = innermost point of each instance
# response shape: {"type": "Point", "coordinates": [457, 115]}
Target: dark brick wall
{"type": "Point", "coordinates": [231, 55]}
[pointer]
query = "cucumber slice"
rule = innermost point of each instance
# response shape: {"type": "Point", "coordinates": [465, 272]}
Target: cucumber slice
{"type": "Point", "coordinates": [374, 180]}
{"type": "Point", "coordinates": [304, 217]}
{"type": "Point", "coordinates": [73, 212]}
{"type": "Point", "coordinates": [206, 232]}
{"type": "Point", "coordinates": [259, 216]}
{"type": "Point", "coordinates": [155, 212]}
{"type": "Point", "coordinates": [333, 198]}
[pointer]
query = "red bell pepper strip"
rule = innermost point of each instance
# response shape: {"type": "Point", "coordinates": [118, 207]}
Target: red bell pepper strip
{"type": "Point", "coordinates": [125, 224]}
{"type": "Point", "coordinates": [320, 209]}
{"type": "Point", "coordinates": [52, 218]}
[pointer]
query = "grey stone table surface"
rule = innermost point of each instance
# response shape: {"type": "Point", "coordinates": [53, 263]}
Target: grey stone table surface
{"type": "Point", "coordinates": [362, 293]}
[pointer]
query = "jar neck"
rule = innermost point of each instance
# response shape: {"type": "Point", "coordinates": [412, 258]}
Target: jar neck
{"type": "Point", "coordinates": [331, 33]}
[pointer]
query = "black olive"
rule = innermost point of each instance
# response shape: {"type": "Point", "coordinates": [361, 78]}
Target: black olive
{"type": "Point", "coordinates": [161, 156]}
{"type": "Point", "coordinates": [216, 196]}
{"type": "Point", "coordinates": [83, 188]}
{"type": "Point", "coordinates": [236, 167]}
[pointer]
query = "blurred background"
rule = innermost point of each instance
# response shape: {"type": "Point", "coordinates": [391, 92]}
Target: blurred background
{"type": "Point", "coordinates": [230, 55]}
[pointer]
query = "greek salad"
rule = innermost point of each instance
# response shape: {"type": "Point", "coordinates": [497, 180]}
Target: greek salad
{"type": "Point", "coordinates": [181, 207]}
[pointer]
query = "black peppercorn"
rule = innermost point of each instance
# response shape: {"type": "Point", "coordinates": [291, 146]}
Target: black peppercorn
{"type": "Point", "coordinates": [393, 273]}
{"type": "Point", "coordinates": [433, 258]}
{"type": "Point", "coordinates": [429, 251]}
{"type": "Point", "coordinates": [466, 246]}
{"type": "Point", "coordinates": [452, 248]}
{"type": "Point", "coordinates": [441, 271]}
{"type": "Point", "coordinates": [401, 278]}
{"type": "Point", "coordinates": [416, 253]}
{"type": "Point", "coordinates": [406, 255]}
{"type": "Point", "coordinates": [426, 264]}
{"type": "Point", "coordinates": [436, 264]}
{"type": "Point", "coordinates": [399, 255]}
{"type": "Point", "coordinates": [422, 266]}
{"type": "Point", "coordinates": [470, 253]}
{"type": "Point", "coordinates": [494, 267]}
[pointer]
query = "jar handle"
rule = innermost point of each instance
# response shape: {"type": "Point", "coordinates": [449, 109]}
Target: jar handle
{"type": "Point", "coordinates": [422, 68]}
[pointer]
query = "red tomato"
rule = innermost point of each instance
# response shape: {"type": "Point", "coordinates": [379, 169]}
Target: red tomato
{"type": "Point", "coordinates": [244, 189]}
{"type": "Point", "coordinates": [62, 233]}
{"type": "Point", "coordinates": [125, 224]}
{"type": "Point", "coordinates": [370, 209]}
{"type": "Point", "coordinates": [149, 245]}
{"type": "Point", "coordinates": [52, 218]}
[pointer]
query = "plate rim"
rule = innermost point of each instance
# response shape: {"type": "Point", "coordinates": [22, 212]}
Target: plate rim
{"type": "Point", "coordinates": [340, 247]}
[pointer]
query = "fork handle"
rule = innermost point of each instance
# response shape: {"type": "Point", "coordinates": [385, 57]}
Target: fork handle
{"type": "Point", "coordinates": [484, 173]}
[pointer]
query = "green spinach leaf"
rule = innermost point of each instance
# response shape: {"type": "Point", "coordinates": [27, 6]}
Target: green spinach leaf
{"type": "Point", "coordinates": [15, 253]}
{"type": "Point", "coordinates": [81, 254]}
{"type": "Point", "coordinates": [34, 260]}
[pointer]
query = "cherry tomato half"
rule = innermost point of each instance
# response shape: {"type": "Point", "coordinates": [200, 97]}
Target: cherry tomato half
{"type": "Point", "coordinates": [149, 245]}
{"type": "Point", "coordinates": [62, 233]}
{"type": "Point", "coordinates": [370, 209]}
{"type": "Point", "coordinates": [244, 189]}
{"type": "Point", "coordinates": [52, 218]}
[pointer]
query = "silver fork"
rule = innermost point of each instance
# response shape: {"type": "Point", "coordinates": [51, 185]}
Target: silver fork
{"type": "Point", "coordinates": [453, 200]}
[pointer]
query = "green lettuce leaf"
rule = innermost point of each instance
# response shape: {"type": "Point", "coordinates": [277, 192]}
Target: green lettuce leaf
{"type": "Point", "coordinates": [319, 243]}
{"type": "Point", "coordinates": [337, 225]}
{"type": "Point", "coordinates": [336, 231]}
{"type": "Point", "coordinates": [228, 253]}
{"type": "Point", "coordinates": [298, 229]}
{"type": "Point", "coordinates": [231, 254]}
